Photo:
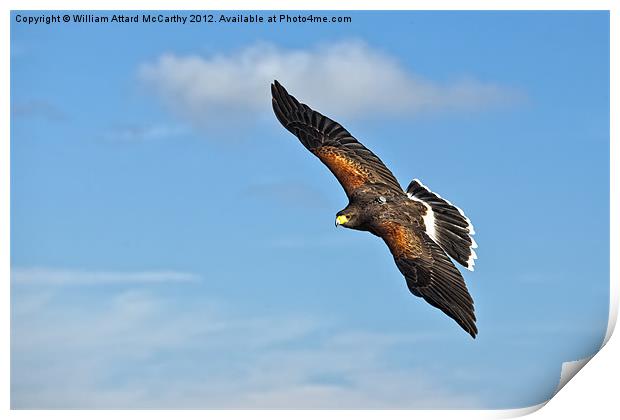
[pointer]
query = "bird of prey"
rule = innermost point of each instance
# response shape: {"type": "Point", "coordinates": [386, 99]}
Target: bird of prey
{"type": "Point", "coordinates": [420, 228]}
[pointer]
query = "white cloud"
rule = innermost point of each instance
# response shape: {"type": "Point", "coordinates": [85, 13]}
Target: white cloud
{"type": "Point", "coordinates": [141, 348]}
{"type": "Point", "coordinates": [141, 133]}
{"type": "Point", "coordinates": [82, 277]}
{"type": "Point", "coordinates": [347, 78]}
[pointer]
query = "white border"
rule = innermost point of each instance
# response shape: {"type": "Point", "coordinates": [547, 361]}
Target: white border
{"type": "Point", "coordinates": [592, 393]}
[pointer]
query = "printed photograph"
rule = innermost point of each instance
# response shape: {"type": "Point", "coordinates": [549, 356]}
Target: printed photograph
{"type": "Point", "coordinates": [306, 209]}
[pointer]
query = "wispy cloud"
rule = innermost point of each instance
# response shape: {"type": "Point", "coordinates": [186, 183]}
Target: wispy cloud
{"type": "Point", "coordinates": [37, 108]}
{"type": "Point", "coordinates": [141, 348]}
{"type": "Point", "coordinates": [81, 277]}
{"type": "Point", "coordinates": [143, 133]}
{"type": "Point", "coordinates": [347, 78]}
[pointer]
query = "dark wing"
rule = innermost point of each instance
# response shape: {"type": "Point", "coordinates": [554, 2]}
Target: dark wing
{"type": "Point", "coordinates": [430, 274]}
{"type": "Point", "coordinates": [352, 163]}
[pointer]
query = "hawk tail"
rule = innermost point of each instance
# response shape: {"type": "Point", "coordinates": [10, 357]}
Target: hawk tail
{"type": "Point", "coordinates": [446, 224]}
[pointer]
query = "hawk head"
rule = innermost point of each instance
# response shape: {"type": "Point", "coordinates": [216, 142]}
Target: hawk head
{"type": "Point", "coordinates": [350, 217]}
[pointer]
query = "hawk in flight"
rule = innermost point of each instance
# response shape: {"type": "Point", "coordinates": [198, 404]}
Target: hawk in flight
{"type": "Point", "coordinates": [421, 229]}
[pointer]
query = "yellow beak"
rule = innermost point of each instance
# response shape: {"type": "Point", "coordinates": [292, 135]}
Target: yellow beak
{"type": "Point", "coordinates": [341, 220]}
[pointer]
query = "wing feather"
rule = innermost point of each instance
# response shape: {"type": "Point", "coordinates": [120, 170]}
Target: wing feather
{"type": "Point", "coordinates": [429, 272]}
{"type": "Point", "coordinates": [350, 161]}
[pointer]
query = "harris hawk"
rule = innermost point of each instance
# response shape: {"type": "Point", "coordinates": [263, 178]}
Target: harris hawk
{"type": "Point", "coordinates": [421, 229]}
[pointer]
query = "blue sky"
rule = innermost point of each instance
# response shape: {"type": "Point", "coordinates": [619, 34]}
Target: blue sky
{"type": "Point", "coordinates": [173, 246]}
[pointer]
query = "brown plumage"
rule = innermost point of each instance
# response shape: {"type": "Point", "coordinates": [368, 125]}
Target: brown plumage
{"type": "Point", "coordinates": [420, 228]}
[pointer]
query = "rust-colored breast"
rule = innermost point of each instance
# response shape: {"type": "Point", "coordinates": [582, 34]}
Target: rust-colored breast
{"type": "Point", "coordinates": [349, 172]}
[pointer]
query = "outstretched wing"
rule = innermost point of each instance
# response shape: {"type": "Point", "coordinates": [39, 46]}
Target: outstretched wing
{"type": "Point", "coordinates": [352, 163]}
{"type": "Point", "coordinates": [429, 272]}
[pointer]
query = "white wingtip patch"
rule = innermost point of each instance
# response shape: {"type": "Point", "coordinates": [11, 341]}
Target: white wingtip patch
{"type": "Point", "coordinates": [429, 220]}
{"type": "Point", "coordinates": [471, 261]}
